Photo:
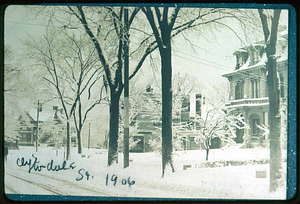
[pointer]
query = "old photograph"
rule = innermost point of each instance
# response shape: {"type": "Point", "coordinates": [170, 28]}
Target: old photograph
{"type": "Point", "coordinates": [146, 101]}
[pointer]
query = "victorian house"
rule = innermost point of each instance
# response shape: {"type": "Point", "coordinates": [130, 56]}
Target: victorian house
{"type": "Point", "coordinates": [248, 91]}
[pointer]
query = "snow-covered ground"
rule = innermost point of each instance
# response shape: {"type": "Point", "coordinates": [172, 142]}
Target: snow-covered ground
{"type": "Point", "coordinates": [143, 174]}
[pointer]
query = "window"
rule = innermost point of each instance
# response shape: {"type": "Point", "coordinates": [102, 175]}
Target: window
{"type": "Point", "coordinates": [185, 104]}
{"type": "Point", "coordinates": [241, 58]}
{"type": "Point", "coordinates": [73, 139]}
{"type": "Point", "coordinates": [156, 123]}
{"type": "Point", "coordinates": [198, 104]}
{"type": "Point", "coordinates": [239, 90]}
{"type": "Point", "coordinates": [255, 56]}
{"type": "Point", "coordinates": [255, 89]}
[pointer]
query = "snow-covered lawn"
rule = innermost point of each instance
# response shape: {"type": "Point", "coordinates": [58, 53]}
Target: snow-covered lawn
{"type": "Point", "coordinates": [143, 174]}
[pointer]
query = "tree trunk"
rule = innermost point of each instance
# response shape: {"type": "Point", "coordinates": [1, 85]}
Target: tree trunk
{"type": "Point", "coordinates": [79, 144]}
{"type": "Point", "coordinates": [80, 126]}
{"type": "Point", "coordinates": [207, 151]}
{"type": "Point", "coordinates": [68, 156]}
{"type": "Point", "coordinates": [274, 98]}
{"type": "Point", "coordinates": [275, 119]}
{"type": "Point", "coordinates": [113, 128]}
{"type": "Point", "coordinates": [166, 76]}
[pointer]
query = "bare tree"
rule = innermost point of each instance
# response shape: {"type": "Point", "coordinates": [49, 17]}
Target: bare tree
{"type": "Point", "coordinates": [216, 122]}
{"type": "Point", "coordinates": [113, 71]}
{"type": "Point", "coordinates": [270, 30]}
{"type": "Point", "coordinates": [84, 72]}
{"type": "Point", "coordinates": [54, 132]}
{"type": "Point", "coordinates": [69, 69]}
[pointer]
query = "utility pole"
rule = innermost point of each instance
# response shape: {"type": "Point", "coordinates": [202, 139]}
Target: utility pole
{"type": "Point", "coordinates": [89, 136]}
{"type": "Point", "coordinates": [126, 90]}
{"type": "Point", "coordinates": [37, 126]}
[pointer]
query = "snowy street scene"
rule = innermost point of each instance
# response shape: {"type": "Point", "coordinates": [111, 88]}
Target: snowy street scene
{"type": "Point", "coordinates": [146, 102]}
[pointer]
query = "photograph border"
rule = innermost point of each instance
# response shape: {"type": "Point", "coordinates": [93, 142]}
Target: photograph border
{"type": "Point", "coordinates": [292, 129]}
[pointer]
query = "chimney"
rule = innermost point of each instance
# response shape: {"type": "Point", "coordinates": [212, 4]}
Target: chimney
{"type": "Point", "coordinates": [149, 89]}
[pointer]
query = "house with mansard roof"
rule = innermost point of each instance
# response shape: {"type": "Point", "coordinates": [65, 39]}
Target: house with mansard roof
{"type": "Point", "coordinates": [248, 91]}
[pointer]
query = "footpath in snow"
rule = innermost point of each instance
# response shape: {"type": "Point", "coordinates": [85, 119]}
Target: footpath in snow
{"type": "Point", "coordinates": [88, 174]}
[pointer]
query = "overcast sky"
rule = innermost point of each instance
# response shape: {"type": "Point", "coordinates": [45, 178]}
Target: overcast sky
{"type": "Point", "coordinates": [207, 61]}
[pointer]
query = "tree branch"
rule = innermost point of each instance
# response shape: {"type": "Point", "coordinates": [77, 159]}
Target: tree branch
{"type": "Point", "coordinates": [149, 14]}
{"type": "Point", "coordinates": [139, 65]}
{"type": "Point", "coordinates": [174, 16]}
{"type": "Point", "coordinates": [134, 13]}
{"type": "Point", "coordinates": [97, 45]}
{"type": "Point", "coordinates": [264, 23]}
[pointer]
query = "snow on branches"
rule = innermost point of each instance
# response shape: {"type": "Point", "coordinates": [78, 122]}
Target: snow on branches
{"type": "Point", "coordinates": [216, 121]}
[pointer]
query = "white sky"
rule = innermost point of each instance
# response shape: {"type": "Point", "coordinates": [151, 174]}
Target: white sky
{"type": "Point", "coordinates": [207, 63]}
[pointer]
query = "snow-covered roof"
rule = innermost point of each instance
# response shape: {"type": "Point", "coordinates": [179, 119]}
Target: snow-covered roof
{"type": "Point", "coordinates": [43, 115]}
{"type": "Point", "coordinates": [240, 50]}
{"type": "Point", "coordinates": [258, 44]}
{"type": "Point", "coordinates": [61, 117]}
{"type": "Point", "coordinates": [246, 66]}
{"type": "Point", "coordinates": [260, 64]}
{"type": "Point", "coordinates": [281, 35]}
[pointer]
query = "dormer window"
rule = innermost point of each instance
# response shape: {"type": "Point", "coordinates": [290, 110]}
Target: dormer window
{"type": "Point", "coordinates": [241, 57]}
{"type": "Point", "coordinates": [255, 56]}
{"type": "Point", "coordinates": [257, 52]}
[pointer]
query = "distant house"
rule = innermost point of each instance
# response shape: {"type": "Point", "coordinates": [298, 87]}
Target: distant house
{"type": "Point", "coordinates": [28, 121]}
{"type": "Point", "coordinates": [192, 106]}
{"type": "Point", "coordinates": [248, 86]}
{"type": "Point", "coordinates": [149, 122]}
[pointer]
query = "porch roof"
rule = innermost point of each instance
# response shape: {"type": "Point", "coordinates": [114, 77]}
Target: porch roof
{"type": "Point", "coordinates": [249, 102]}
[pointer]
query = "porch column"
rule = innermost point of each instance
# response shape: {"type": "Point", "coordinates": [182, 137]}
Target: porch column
{"type": "Point", "coordinates": [246, 131]}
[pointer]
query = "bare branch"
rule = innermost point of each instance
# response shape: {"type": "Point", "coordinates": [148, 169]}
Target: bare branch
{"type": "Point", "coordinates": [97, 45]}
